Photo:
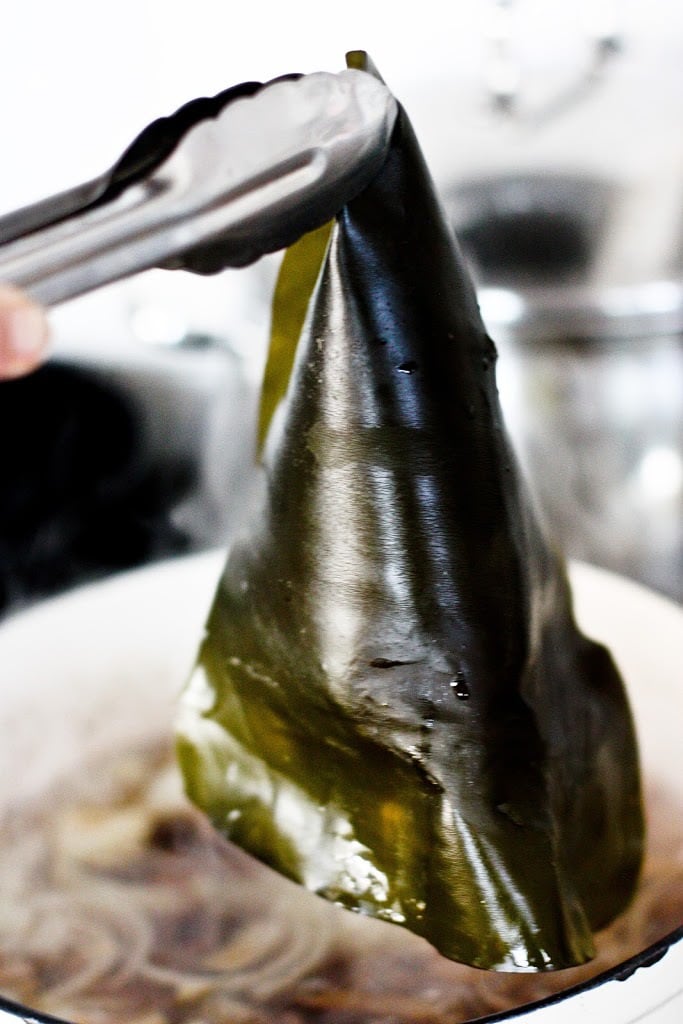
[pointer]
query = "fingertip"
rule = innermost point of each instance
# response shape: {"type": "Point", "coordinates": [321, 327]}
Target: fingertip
{"type": "Point", "coordinates": [24, 334]}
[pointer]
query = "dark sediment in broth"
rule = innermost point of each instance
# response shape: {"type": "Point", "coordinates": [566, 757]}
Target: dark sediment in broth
{"type": "Point", "coordinates": [121, 902]}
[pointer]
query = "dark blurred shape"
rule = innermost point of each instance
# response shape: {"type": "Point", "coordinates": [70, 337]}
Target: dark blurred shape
{"type": "Point", "coordinates": [529, 229]}
{"type": "Point", "coordinates": [82, 492]}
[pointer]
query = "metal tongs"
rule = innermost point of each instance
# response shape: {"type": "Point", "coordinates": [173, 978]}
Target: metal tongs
{"type": "Point", "coordinates": [220, 183]}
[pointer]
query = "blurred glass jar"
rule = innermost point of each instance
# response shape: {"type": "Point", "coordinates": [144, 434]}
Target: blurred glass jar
{"type": "Point", "coordinates": [598, 424]}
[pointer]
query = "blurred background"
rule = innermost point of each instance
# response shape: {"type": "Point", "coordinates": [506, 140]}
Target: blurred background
{"type": "Point", "coordinates": [554, 133]}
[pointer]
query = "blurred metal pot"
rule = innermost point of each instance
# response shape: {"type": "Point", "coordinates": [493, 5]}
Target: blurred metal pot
{"type": "Point", "coordinates": [571, 214]}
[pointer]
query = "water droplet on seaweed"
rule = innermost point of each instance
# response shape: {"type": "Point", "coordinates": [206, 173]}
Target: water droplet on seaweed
{"type": "Point", "coordinates": [459, 686]}
{"type": "Point", "coordinates": [408, 367]}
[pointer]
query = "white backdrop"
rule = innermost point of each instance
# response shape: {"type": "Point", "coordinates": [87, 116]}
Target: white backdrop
{"type": "Point", "coordinates": [79, 79]}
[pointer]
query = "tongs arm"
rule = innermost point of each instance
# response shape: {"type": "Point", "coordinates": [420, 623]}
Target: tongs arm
{"type": "Point", "coordinates": [269, 166]}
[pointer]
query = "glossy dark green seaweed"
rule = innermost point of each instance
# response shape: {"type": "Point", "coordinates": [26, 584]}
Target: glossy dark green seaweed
{"type": "Point", "coordinates": [392, 704]}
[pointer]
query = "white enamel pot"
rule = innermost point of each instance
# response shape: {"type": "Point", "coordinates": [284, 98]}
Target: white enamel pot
{"type": "Point", "coordinates": [103, 665]}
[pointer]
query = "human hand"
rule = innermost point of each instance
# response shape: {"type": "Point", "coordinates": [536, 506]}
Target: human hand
{"type": "Point", "coordinates": [24, 333]}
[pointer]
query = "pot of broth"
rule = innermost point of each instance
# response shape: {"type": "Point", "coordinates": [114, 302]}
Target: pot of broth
{"type": "Point", "coordinates": [120, 902]}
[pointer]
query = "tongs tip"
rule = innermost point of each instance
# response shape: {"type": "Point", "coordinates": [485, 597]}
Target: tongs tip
{"type": "Point", "coordinates": [227, 193]}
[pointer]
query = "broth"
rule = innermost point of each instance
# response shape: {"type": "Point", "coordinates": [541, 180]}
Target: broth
{"type": "Point", "coordinates": [121, 902]}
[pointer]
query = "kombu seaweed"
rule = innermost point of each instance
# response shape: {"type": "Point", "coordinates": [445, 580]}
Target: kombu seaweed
{"type": "Point", "coordinates": [392, 704]}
